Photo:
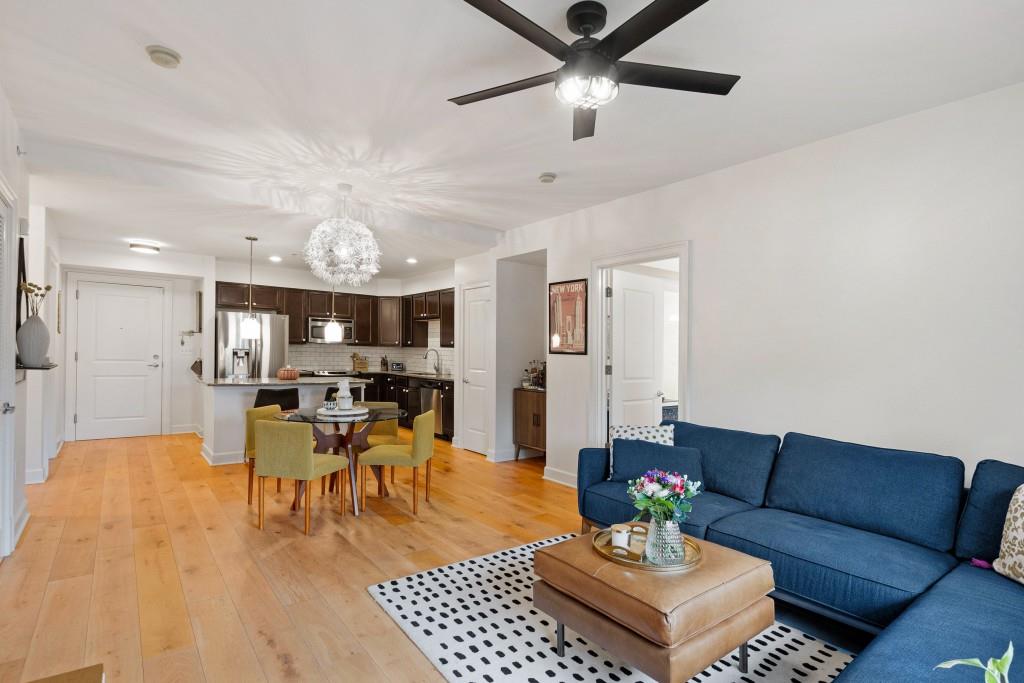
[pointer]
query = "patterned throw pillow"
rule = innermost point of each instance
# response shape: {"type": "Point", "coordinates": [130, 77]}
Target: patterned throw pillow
{"type": "Point", "coordinates": [1010, 562]}
{"type": "Point", "coordinates": [655, 434]}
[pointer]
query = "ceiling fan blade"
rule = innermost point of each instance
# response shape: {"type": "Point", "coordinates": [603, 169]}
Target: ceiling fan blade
{"type": "Point", "coordinates": [505, 15]}
{"type": "Point", "coordinates": [656, 76]}
{"type": "Point", "coordinates": [644, 25]}
{"type": "Point", "coordinates": [498, 90]}
{"type": "Point", "coordinates": [583, 121]}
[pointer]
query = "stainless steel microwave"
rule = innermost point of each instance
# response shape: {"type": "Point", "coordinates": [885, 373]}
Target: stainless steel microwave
{"type": "Point", "coordinates": [318, 326]}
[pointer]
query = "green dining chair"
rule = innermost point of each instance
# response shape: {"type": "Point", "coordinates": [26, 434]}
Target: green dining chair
{"type": "Point", "coordinates": [285, 449]}
{"type": "Point", "coordinates": [383, 433]}
{"type": "Point", "coordinates": [416, 455]}
{"type": "Point", "coordinates": [252, 415]}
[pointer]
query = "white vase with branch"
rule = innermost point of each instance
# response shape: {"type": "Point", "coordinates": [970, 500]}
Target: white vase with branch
{"type": "Point", "coordinates": [33, 338]}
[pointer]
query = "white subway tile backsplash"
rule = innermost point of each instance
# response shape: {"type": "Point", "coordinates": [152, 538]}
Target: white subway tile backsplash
{"type": "Point", "coordinates": [339, 357]}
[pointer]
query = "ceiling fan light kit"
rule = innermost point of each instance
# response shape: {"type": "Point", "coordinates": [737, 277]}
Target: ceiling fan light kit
{"type": "Point", "coordinates": [593, 68]}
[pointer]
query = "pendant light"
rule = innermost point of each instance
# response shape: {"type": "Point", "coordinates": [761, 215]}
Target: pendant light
{"type": "Point", "coordinates": [250, 328]}
{"type": "Point", "coordinates": [332, 330]}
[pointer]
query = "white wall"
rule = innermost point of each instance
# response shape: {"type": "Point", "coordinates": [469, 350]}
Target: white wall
{"type": "Point", "coordinates": [428, 282]}
{"type": "Point", "coordinates": [299, 278]}
{"type": "Point", "coordinates": [521, 336]}
{"type": "Point", "coordinates": [865, 287]}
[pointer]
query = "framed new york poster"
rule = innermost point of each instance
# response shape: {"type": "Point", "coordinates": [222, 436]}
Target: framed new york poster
{"type": "Point", "coordinates": [567, 317]}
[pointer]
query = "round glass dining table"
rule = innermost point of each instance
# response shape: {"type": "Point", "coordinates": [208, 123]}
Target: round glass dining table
{"type": "Point", "coordinates": [335, 434]}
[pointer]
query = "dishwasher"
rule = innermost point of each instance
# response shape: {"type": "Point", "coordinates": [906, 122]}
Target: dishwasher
{"type": "Point", "coordinates": [430, 399]}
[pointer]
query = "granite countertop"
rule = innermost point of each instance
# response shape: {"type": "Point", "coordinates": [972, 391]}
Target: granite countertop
{"type": "Point", "coordinates": [274, 382]}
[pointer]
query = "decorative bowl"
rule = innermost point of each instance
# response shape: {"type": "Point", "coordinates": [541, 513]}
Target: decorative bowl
{"type": "Point", "coordinates": [288, 373]}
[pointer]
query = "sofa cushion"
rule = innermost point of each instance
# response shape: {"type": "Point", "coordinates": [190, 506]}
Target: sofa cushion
{"type": "Point", "coordinates": [736, 464]}
{"type": "Point", "coordinates": [607, 503]}
{"type": "Point", "coordinates": [634, 458]}
{"type": "Point", "coordinates": [650, 433]}
{"type": "Point", "coordinates": [969, 613]}
{"type": "Point", "coordinates": [907, 495]}
{"type": "Point", "coordinates": [867, 575]}
{"type": "Point", "coordinates": [981, 524]}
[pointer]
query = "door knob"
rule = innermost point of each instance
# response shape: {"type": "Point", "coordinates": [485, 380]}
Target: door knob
{"type": "Point", "coordinates": [154, 365]}
{"type": "Point", "coordinates": [660, 394]}
{"type": "Point", "coordinates": [465, 380]}
{"type": "Point", "coordinates": [7, 408]}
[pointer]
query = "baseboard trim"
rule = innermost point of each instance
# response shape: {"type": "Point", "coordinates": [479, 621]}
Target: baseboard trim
{"type": "Point", "coordinates": [36, 476]}
{"type": "Point", "coordinates": [186, 429]}
{"type": "Point", "coordinates": [560, 476]}
{"type": "Point", "coordinates": [216, 459]}
{"type": "Point", "coordinates": [20, 522]}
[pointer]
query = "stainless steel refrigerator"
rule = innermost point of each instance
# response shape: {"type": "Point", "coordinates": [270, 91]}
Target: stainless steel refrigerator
{"type": "Point", "coordinates": [251, 358]}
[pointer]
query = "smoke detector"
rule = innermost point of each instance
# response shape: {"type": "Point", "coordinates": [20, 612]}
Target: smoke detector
{"type": "Point", "coordinates": [163, 56]}
{"type": "Point", "coordinates": [547, 177]}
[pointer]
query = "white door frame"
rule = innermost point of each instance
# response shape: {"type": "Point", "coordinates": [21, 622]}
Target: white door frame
{"type": "Point", "coordinates": [461, 364]}
{"type": "Point", "coordinates": [10, 527]}
{"type": "Point", "coordinates": [71, 395]}
{"type": "Point", "coordinates": [597, 312]}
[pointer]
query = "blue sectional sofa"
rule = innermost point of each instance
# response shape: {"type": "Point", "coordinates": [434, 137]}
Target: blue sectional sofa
{"type": "Point", "coordinates": [875, 538]}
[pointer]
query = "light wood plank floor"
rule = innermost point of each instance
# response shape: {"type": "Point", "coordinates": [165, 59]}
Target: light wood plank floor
{"type": "Point", "coordinates": [141, 556]}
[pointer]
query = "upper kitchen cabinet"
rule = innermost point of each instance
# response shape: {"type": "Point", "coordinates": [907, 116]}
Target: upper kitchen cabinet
{"type": "Point", "coordinates": [318, 304]}
{"type": "Point", "coordinates": [432, 305]}
{"type": "Point", "coordinates": [447, 301]}
{"type": "Point", "coordinates": [419, 306]}
{"type": "Point", "coordinates": [295, 309]}
{"type": "Point", "coordinates": [343, 305]}
{"type": "Point", "coordinates": [364, 319]}
{"type": "Point", "coordinates": [236, 295]}
{"type": "Point", "coordinates": [389, 314]}
{"type": "Point", "coordinates": [413, 336]}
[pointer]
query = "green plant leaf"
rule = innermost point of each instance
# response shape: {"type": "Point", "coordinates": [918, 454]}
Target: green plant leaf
{"type": "Point", "coordinates": [961, 662]}
{"type": "Point", "coordinates": [1002, 665]}
{"type": "Point", "coordinates": [991, 677]}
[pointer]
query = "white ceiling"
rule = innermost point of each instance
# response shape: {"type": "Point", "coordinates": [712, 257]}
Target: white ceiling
{"type": "Point", "coordinates": [275, 103]}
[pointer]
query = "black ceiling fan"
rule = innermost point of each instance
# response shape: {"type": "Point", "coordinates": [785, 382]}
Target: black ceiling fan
{"type": "Point", "coordinates": [594, 67]}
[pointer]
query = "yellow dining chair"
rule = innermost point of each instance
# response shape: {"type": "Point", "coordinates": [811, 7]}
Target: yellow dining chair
{"type": "Point", "coordinates": [252, 415]}
{"type": "Point", "coordinates": [384, 433]}
{"type": "Point", "coordinates": [417, 454]}
{"type": "Point", "coordinates": [285, 449]}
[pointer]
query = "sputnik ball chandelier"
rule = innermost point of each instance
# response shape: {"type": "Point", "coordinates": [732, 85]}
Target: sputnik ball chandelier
{"type": "Point", "coordinates": [343, 251]}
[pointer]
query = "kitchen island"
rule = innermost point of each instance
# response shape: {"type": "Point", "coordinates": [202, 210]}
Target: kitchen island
{"type": "Point", "coordinates": [225, 401]}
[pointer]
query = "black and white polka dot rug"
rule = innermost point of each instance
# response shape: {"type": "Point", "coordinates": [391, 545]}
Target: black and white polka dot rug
{"type": "Point", "coordinates": [476, 622]}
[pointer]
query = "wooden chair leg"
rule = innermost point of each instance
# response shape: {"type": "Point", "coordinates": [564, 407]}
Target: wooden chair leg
{"type": "Point", "coordinates": [298, 500]}
{"type": "Point", "coordinates": [252, 468]}
{"type": "Point", "coordinates": [392, 474]}
{"type": "Point", "coordinates": [279, 484]}
{"type": "Point", "coordinates": [341, 487]}
{"type": "Point", "coordinates": [263, 482]}
{"type": "Point", "coordinates": [428, 481]}
{"type": "Point", "coordinates": [309, 499]}
{"type": "Point", "coordinates": [415, 490]}
{"type": "Point", "coordinates": [362, 488]}
{"type": "Point", "coordinates": [323, 485]}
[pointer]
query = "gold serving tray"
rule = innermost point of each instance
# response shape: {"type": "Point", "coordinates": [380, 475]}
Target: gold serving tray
{"type": "Point", "coordinates": [634, 557]}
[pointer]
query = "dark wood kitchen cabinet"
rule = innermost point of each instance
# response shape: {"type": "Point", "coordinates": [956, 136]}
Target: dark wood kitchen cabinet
{"type": "Point", "coordinates": [364, 318]}
{"type": "Point", "coordinates": [413, 335]}
{"type": "Point", "coordinates": [419, 306]}
{"type": "Point", "coordinates": [232, 294]}
{"type": "Point", "coordinates": [448, 410]}
{"type": "Point", "coordinates": [432, 305]}
{"type": "Point", "coordinates": [389, 317]}
{"type": "Point", "coordinates": [318, 304]}
{"type": "Point", "coordinates": [447, 300]}
{"type": "Point", "coordinates": [530, 420]}
{"type": "Point", "coordinates": [295, 309]}
{"type": "Point", "coordinates": [236, 295]}
{"type": "Point", "coordinates": [343, 305]}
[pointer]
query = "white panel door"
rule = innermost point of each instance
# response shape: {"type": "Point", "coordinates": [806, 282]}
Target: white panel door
{"type": "Point", "coordinates": [476, 375]}
{"type": "Point", "coordinates": [120, 332]}
{"type": "Point", "coordinates": [637, 345]}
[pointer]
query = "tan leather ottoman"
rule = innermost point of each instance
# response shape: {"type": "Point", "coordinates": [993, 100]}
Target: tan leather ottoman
{"type": "Point", "coordinates": [670, 626]}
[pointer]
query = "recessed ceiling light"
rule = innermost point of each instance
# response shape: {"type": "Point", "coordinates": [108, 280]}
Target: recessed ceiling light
{"type": "Point", "coordinates": [144, 248]}
{"type": "Point", "coordinates": [163, 56]}
{"type": "Point", "coordinates": [547, 177]}
{"type": "Point", "coordinates": [411, 259]}
{"type": "Point", "coordinates": [274, 259]}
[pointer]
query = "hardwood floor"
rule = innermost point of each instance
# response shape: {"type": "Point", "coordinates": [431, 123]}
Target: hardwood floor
{"type": "Point", "coordinates": [141, 556]}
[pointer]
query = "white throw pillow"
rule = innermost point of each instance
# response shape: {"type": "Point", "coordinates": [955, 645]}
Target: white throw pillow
{"type": "Point", "coordinates": [654, 433]}
{"type": "Point", "coordinates": [1010, 562]}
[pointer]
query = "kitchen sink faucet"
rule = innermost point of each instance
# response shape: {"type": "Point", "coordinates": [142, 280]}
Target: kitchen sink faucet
{"type": "Point", "coordinates": [437, 361]}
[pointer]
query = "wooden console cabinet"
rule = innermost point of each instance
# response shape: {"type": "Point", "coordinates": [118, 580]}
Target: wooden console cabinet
{"type": "Point", "coordinates": [530, 420]}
